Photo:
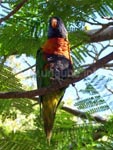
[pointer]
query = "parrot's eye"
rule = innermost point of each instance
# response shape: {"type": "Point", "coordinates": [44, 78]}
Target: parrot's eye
{"type": "Point", "coordinates": [54, 23]}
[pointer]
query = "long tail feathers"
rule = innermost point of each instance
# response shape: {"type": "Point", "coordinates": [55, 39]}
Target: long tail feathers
{"type": "Point", "coordinates": [50, 103]}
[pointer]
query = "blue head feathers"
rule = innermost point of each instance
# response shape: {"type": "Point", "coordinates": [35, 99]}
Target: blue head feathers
{"type": "Point", "coordinates": [57, 28]}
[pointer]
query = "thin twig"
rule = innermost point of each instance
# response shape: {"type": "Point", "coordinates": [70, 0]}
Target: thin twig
{"type": "Point", "coordinates": [103, 49]}
{"type": "Point", "coordinates": [13, 11]}
{"type": "Point", "coordinates": [74, 86]}
{"type": "Point", "coordinates": [108, 18]}
{"type": "Point", "coordinates": [29, 65]}
{"type": "Point", "coordinates": [5, 7]}
{"type": "Point", "coordinates": [25, 70]}
{"type": "Point", "coordinates": [92, 23]}
{"type": "Point", "coordinates": [109, 89]}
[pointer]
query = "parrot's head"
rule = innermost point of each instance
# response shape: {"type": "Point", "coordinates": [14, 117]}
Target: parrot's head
{"type": "Point", "coordinates": [57, 28]}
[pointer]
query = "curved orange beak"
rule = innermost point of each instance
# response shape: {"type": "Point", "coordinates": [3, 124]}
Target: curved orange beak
{"type": "Point", "coordinates": [54, 23]}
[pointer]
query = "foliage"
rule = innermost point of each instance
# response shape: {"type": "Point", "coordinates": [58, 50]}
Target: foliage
{"type": "Point", "coordinates": [24, 33]}
{"type": "Point", "coordinates": [27, 30]}
{"type": "Point", "coordinates": [73, 137]}
{"type": "Point", "coordinates": [94, 102]}
{"type": "Point", "coordinates": [8, 82]}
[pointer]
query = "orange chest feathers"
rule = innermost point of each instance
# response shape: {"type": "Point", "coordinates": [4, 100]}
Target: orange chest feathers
{"type": "Point", "coordinates": [57, 46]}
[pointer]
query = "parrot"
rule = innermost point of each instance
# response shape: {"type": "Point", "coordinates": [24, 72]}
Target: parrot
{"type": "Point", "coordinates": [53, 61]}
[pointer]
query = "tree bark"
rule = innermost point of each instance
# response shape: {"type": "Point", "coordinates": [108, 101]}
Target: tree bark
{"type": "Point", "coordinates": [104, 35]}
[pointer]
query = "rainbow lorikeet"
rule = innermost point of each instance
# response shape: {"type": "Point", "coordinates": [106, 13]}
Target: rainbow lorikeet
{"type": "Point", "coordinates": [53, 60]}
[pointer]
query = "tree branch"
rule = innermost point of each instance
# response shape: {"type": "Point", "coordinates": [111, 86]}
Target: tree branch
{"type": "Point", "coordinates": [84, 115]}
{"type": "Point", "coordinates": [25, 69]}
{"type": "Point", "coordinates": [96, 36]}
{"type": "Point", "coordinates": [13, 11]}
{"type": "Point", "coordinates": [56, 86]}
{"type": "Point", "coordinates": [4, 6]}
{"type": "Point", "coordinates": [106, 34]}
{"type": "Point", "coordinates": [105, 66]}
{"type": "Point", "coordinates": [109, 89]}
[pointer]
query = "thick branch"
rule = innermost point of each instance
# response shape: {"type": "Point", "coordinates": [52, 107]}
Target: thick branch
{"type": "Point", "coordinates": [96, 36]}
{"type": "Point", "coordinates": [106, 34]}
{"type": "Point", "coordinates": [13, 11]}
{"type": "Point", "coordinates": [84, 115]}
{"type": "Point", "coordinates": [42, 91]}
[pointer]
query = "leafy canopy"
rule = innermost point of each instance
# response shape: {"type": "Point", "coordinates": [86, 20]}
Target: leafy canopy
{"type": "Point", "coordinates": [25, 32]}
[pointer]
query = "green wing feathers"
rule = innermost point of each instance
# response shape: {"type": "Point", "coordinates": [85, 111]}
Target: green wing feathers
{"type": "Point", "coordinates": [49, 101]}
